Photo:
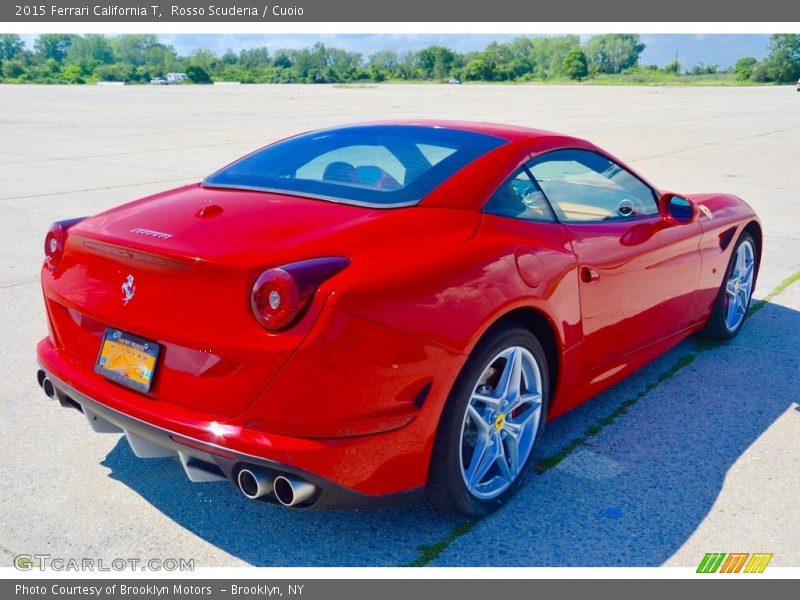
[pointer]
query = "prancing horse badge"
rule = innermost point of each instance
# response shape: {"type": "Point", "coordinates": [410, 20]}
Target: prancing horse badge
{"type": "Point", "coordinates": [128, 289]}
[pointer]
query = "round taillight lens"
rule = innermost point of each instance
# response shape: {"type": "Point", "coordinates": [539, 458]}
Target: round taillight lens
{"type": "Point", "coordinates": [275, 299]}
{"type": "Point", "coordinates": [54, 246]}
{"type": "Point", "coordinates": [55, 240]}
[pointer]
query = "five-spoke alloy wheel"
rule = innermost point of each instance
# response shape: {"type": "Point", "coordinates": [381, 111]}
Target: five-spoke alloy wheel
{"type": "Point", "coordinates": [733, 300]}
{"type": "Point", "coordinates": [493, 417]}
{"type": "Point", "coordinates": [739, 285]}
{"type": "Point", "coordinates": [501, 422]}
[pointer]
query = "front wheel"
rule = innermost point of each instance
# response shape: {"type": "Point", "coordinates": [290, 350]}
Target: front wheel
{"type": "Point", "coordinates": [493, 418]}
{"type": "Point", "coordinates": [735, 293]}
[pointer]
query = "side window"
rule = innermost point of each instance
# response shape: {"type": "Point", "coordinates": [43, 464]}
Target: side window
{"type": "Point", "coordinates": [585, 186]}
{"type": "Point", "coordinates": [521, 198]}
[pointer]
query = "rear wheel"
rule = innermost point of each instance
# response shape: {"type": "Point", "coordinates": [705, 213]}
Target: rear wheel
{"type": "Point", "coordinates": [736, 292]}
{"type": "Point", "coordinates": [490, 425]}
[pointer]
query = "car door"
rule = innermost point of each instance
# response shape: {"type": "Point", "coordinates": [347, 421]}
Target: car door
{"type": "Point", "coordinates": [638, 273]}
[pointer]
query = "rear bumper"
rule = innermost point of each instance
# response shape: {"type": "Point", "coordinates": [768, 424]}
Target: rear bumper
{"type": "Point", "coordinates": [357, 403]}
{"type": "Point", "coordinates": [204, 461]}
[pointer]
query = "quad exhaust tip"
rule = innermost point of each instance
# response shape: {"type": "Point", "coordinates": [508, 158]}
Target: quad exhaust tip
{"type": "Point", "coordinates": [291, 492]}
{"type": "Point", "coordinates": [254, 482]}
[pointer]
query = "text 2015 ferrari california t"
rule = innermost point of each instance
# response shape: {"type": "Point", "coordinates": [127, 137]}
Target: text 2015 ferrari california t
{"type": "Point", "coordinates": [370, 313]}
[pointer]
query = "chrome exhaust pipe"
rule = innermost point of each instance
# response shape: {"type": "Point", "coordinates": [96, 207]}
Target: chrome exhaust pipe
{"type": "Point", "coordinates": [253, 482]}
{"type": "Point", "coordinates": [49, 389]}
{"type": "Point", "coordinates": [291, 492]}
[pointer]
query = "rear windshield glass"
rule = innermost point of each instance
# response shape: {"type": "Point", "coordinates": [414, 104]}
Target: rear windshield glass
{"type": "Point", "coordinates": [375, 165]}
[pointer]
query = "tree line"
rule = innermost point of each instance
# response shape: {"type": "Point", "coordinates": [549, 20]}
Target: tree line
{"type": "Point", "coordinates": [67, 58]}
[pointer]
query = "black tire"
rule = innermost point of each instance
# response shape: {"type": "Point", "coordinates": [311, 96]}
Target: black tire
{"type": "Point", "coordinates": [446, 489]}
{"type": "Point", "coordinates": [716, 328]}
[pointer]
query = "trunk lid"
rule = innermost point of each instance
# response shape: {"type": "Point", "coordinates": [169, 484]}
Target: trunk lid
{"type": "Point", "coordinates": [228, 227]}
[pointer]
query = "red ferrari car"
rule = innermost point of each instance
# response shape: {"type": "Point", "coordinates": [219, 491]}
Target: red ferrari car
{"type": "Point", "coordinates": [370, 313]}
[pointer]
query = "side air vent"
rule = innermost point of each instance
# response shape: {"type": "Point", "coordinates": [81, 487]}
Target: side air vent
{"type": "Point", "coordinates": [726, 237]}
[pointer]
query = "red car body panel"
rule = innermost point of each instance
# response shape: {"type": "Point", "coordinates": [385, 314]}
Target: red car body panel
{"type": "Point", "coordinates": [353, 392]}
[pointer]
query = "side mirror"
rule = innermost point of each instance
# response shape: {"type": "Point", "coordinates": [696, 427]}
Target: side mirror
{"type": "Point", "coordinates": [676, 209]}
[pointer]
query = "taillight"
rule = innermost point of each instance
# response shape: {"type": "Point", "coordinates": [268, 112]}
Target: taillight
{"type": "Point", "coordinates": [280, 295]}
{"type": "Point", "coordinates": [55, 240]}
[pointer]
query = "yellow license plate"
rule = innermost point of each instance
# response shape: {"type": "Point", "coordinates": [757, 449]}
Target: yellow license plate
{"type": "Point", "coordinates": [127, 359]}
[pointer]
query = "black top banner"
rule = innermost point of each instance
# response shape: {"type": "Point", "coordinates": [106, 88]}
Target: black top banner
{"type": "Point", "coordinates": [257, 11]}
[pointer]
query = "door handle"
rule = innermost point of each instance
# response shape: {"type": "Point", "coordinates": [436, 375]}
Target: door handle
{"type": "Point", "coordinates": [588, 275]}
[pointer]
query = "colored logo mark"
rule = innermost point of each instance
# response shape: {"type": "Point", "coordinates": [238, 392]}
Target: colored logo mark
{"type": "Point", "coordinates": [734, 562]}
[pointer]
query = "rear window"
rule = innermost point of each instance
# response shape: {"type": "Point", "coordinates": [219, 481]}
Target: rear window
{"type": "Point", "coordinates": [374, 165]}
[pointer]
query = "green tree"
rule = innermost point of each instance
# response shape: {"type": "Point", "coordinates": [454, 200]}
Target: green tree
{"type": "Point", "coordinates": [613, 53]}
{"type": "Point", "coordinates": [88, 52]}
{"type": "Point", "coordinates": [229, 58]}
{"type": "Point", "coordinates": [759, 73]}
{"type": "Point", "coordinates": [53, 45]}
{"type": "Point", "coordinates": [384, 64]}
{"type": "Point", "coordinates": [10, 46]}
{"type": "Point", "coordinates": [254, 58]}
{"type": "Point", "coordinates": [133, 48]}
{"type": "Point", "coordinates": [204, 59]}
{"type": "Point", "coordinates": [376, 75]}
{"type": "Point", "coordinates": [115, 72]}
{"type": "Point", "coordinates": [704, 69]}
{"type": "Point", "coordinates": [161, 59]}
{"type": "Point", "coordinates": [547, 54]}
{"type": "Point", "coordinates": [435, 62]}
{"type": "Point", "coordinates": [744, 67]}
{"type": "Point", "coordinates": [197, 74]}
{"type": "Point", "coordinates": [344, 65]}
{"type": "Point", "coordinates": [478, 69]}
{"type": "Point", "coordinates": [673, 67]}
{"type": "Point", "coordinates": [783, 62]}
{"type": "Point", "coordinates": [519, 58]}
{"type": "Point", "coordinates": [13, 69]}
{"type": "Point", "coordinates": [408, 66]}
{"type": "Point", "coordinates": [500, 62]}
{"type": "Point", "coordinates": [283, 59]}
{"type": "Point", "coordinates": [310, 65]}
{"type": "Point", "coordinates": [575, 65]}
{"type": "Point", "coordinates": [72, 74]}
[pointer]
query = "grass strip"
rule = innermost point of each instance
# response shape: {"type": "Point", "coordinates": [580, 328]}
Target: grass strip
{"type": "Point", "coordinates": [430, 553]}
{"type": "Point", "coordinates": [778, 289]}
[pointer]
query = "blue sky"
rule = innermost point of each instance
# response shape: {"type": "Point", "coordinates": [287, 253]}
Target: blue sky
{"type": "Point", "coordinates": [719, 49]}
